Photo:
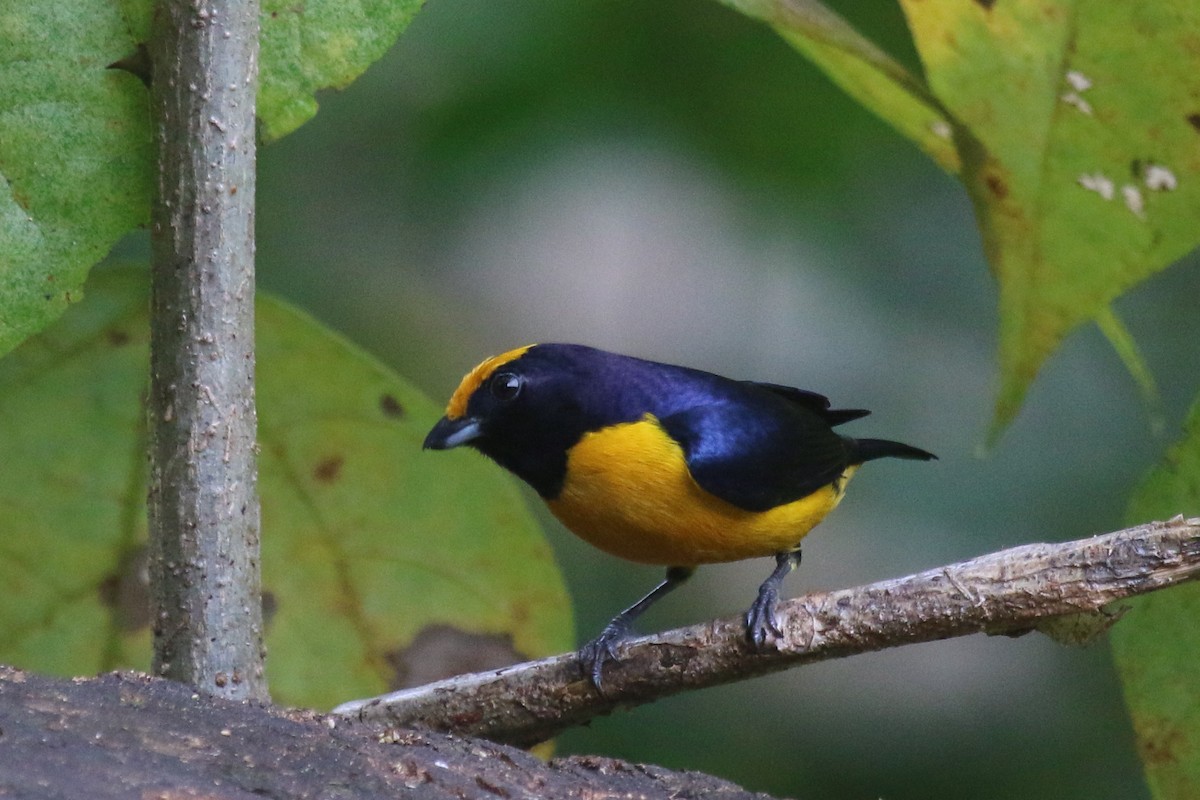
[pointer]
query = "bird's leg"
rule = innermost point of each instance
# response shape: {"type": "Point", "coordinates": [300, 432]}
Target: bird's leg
{"type": "Point", "coordinates": [760, 619]}
{"type": "Point", "coordinates": [595, 653]}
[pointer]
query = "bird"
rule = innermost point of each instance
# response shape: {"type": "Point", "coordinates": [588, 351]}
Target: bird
{"type": "Point", "coordinates": [662, 464]}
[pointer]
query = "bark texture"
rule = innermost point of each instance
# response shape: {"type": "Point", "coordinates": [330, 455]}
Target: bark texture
{"type": "Point", "coordinates": [122, 736]}
{"type": "Point", "coordinates": [203, 501]}
{"type": "Point", "coordinates": [1063, 589]}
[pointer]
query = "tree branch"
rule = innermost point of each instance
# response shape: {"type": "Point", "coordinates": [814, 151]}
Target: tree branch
{"type": "Point", "coordinates": [125, 735]}
{"type": "Point", "coordinates": [1010, 592]}
{"type": "Point", "coordinates": [203, 503]}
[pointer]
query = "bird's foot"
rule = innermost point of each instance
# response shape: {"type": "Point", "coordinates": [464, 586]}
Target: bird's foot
{"type": "Point", "coordinates": [761, 621]}
{"type": "Point", "coordinates": [599, 651]}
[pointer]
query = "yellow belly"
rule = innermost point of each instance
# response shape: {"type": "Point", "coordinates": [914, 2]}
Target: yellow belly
{"type": "Point", "coordinates": [628, 492]}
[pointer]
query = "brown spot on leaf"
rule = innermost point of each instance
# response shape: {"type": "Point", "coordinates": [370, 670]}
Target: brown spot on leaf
{"type": "Point", "coordinates": [986, 4]}
{"type": "Point", "coordinates": [1194, 120]}
{"type": "Point", "coordinates": [518, 611]}
{"type": "Point", "coordinates": [996, 185]}
{"type": "Point", "coordinates": [328, 470]}
{"type": "Point", "coordinates": [1159, 741]}
{"type": "Point", "coordinates": [127, 591]}
{"type": "Point", "coordinates": [441, 651]}
{"type": "Point", "coordinates": [390, 406]}
{"type": "Point", "coordinates": [117, 337]}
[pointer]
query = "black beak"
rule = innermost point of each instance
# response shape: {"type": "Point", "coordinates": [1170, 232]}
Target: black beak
{"type": "Point", "coordinates": [452, 432]}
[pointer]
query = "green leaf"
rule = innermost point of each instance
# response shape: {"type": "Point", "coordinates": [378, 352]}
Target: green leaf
{"type": "Point", "coordinates": [1123, 343]}
{"type": "Point", "coordinates": [1083, 162]}
{"type": "Point", "coordinates": [1075, 128]}
{"type": "Point", "coordinates": [320, 44]}
{"type": "Point", "coordinates": [70, 481]}
{"type": "Point", "coordinates": [76, 154]}
{"type": "Point", "coordinates": [369, 543]}
{"type": "Point", "coordinates": [862, 70]}
{"type": "Point", "coordinates": [1157, 644]}
{"type": "Point", "coordinates": [381, 564]}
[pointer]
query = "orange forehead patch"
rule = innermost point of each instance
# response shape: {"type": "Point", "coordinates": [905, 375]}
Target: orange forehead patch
{"type": "Point", "coordinates": [475, 378]}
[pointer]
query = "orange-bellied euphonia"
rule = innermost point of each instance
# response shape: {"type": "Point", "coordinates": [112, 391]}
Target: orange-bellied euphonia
{"type": "Point", "coordinates": [662, 464]}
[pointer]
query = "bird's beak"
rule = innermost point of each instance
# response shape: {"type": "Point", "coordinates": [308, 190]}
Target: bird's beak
{"type": "Point", "coordinates": [452, 432]}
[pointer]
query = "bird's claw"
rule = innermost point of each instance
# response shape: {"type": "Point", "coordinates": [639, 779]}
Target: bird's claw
{"type": "Point", "coordinates": [599, 651]}
{"type": "Point", "coordinates": [761, 621]}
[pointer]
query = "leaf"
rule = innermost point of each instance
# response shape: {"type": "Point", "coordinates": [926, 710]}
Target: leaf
{"type": "Point", "coordinates": [1085, 171]}
{"type": "Point", "coordinates": [372, 546]}
{"type": "Point", "coordinates": [1123, 343]}
{"type": "Point", "coordinates": [76, 154]}
{"type": "Point", "coordinates": [70, 420]}
{"type": "Point", "coordinates": [380, 563]}
{"type": "Point", "coordinates": [1077, 127]}
{"type": "Point", "coordinates": [1157, 644]}
{"type": "Point", "coordinates": [862, 70]}
{"type": "Point", "coordinates": [320, 44]}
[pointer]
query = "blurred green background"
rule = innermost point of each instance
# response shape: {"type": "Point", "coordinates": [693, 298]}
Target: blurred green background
{"type": "Point", "coordinates": [669, 179]}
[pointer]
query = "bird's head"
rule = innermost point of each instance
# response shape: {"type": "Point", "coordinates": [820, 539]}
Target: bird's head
{"type": "Point", "coordinates": [524, 409]}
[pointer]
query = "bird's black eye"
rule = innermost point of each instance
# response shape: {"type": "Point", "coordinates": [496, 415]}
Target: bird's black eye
{"type": "Point", "coordinates": [506, 385]}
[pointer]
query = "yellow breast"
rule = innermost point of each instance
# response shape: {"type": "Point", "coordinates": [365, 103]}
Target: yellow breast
{"type": "Point", "coordinates": [628, 492]}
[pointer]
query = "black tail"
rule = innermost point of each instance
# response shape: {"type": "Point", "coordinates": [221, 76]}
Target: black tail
{"type": "Point", "coordinates": [863, 450]}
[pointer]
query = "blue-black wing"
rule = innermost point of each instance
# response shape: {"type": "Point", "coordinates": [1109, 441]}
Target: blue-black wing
{"type": "Point", "coordinates": [757, 450]}
{"type": "Point", "coordinates": [817, 403]}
